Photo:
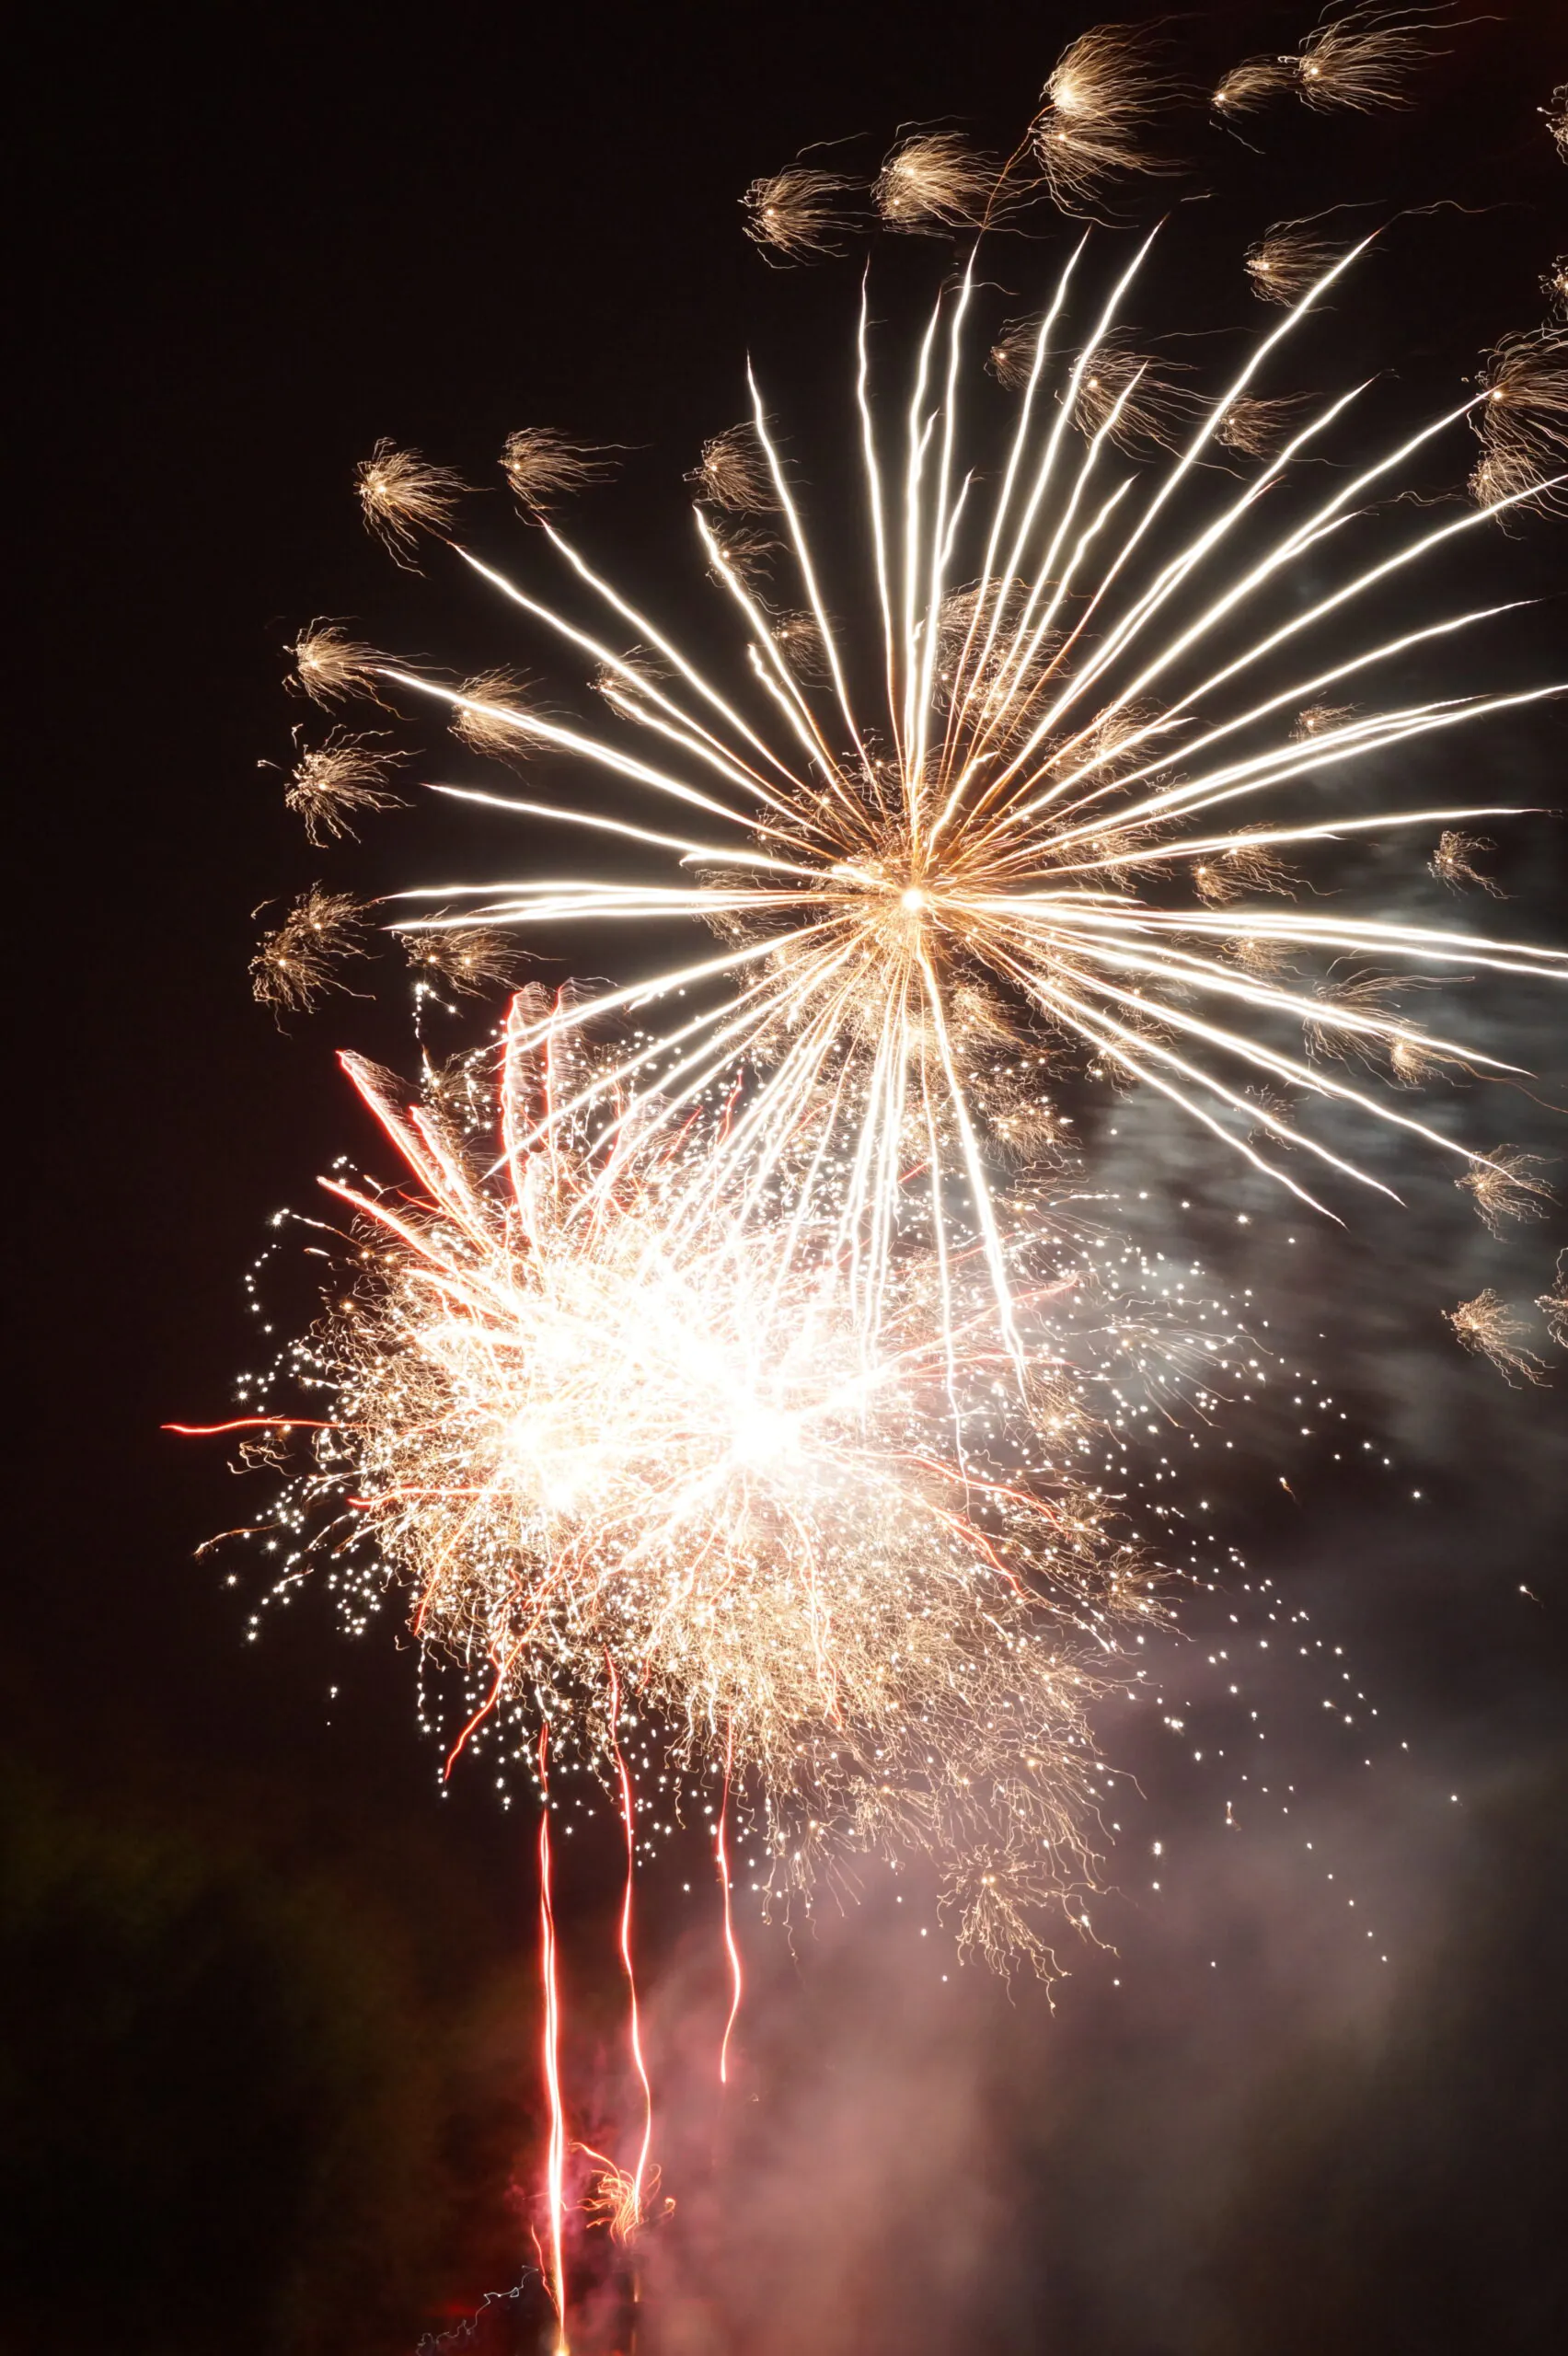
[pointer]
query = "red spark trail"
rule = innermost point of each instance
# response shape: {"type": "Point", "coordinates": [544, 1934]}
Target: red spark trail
{"type": "Point", "coordinates": [284, 1424]}
{"type": "Point", "coordinates": [636, 2027]}
{"type": "Point", "coordinates": [722, 1854]}
{"type": "Point", "coordinates": [556, 2166]}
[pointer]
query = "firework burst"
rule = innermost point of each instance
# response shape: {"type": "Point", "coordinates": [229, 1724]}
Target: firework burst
{"type": "Point", "coordinates": [401, 494]}
{"type": "Point", "coordinates": [1522, 417]}
{"type": "Point", "coordinates": [936, 181]}
{"type": "Point", "coordinates": [798, 213]}
{"type": "Point", "coordinates": [1489, 1329]}
{"type": "Point", "coordinates": [1289, 259]}
{"type": "Point", "coordinates": [1361, 60]}
{"type": "Point", "coordinates": [1096, 110]}
{"type": "Point", "coordinates": [303, 956]}
{"type": "Point", "coordinates": [1053, 815]}
{"type": "Point", "coordinates": [543, 465]}
{"type": "Point", "coordinates": [467, 959]}
{"type": "Point", "coordinates": [330, 666]}
{"type": "Point", "coordinates": [613, 1439]}
{"type": "Point", "coordinates": [1507, 1186]}
{"type": "Point", "coordinates": [333, 782]}
{"type": "Point", "coordinates": [1453, 862]}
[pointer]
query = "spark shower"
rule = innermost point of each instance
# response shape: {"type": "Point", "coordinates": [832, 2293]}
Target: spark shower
{"type": "Point", "coordinates": [726, 1371]}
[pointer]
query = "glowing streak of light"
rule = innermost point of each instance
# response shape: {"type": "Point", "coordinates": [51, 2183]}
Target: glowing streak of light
{"type": "Point", "coordinates": [721, 1854]}
{"type": "Point", "coordinates": [279, 1424]}
{"type": "Point", "coordinates": [555, 2161]}
{"type": "Point", "coordinates": [628, 1818]}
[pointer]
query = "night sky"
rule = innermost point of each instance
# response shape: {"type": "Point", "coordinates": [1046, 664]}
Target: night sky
{"type": "Point", "coordinates": [270, 2083]}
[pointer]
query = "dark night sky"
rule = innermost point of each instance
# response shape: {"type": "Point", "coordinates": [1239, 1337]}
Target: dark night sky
{"type": "Point", "coordinates": [271, 2064]}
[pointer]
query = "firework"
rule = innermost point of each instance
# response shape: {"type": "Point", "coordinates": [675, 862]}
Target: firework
{"type": "Point", "coordinates": [332, 780]}
{"type": "Point", "coordinates": [330, 665]}
{"type": "Point", "coordinates": [300, 958]}
{"type": "Point", "coordinates": [1553, 1306]}
{"type": "Point", "coordinates": [1095, 112]}
{"type": "Point", "coordinates": [733, 1953]}
{"type": "Point", "coordinates": [1321, 720]}
{"type": "Point", "coordinates": [1453, 862]}
{"type": "Point", "coordinates": [1011, 358]}
{"type": "Point", "coordinates": [549, 1977]}
{"type": "Point", "coordinates": [1507, 1186]}
{"type": "Point", "coordinates": [936, 181]}
{"type": "Point", "coordinates": [544, 466]}
{"type": "Point", "coordinates": [715, 1380]}
{"type": "Point", "coordinates": [1257, 426]}
{"type": "Point", "coordinates": [1522, 418]}
{"type": "Point", "coordinates": [633, 2190]}
{"type": "Point", "coordinates": [1138, 403]}
{"type": "Point", "coordinates": [493, 714]}
{"type": "Point", "coordinates": [1047, 842]}
{"type": "Point", "coordinates": [798, 213]}
{"type": "Point", "coordinates": [467, 958]}
{"type": "Point", "coordinates": [1288, 261]}
{"type": "Point", "coordinates": [401, 494]}
{"type": "Point", "coordinates": [1363, 59]}
{"type": "Point", "coordinates": [1557, 120]}
{"type": "Point", "coordinates": [733, 472]}
{"type": "Point", "coordinates": [1491, 1329]}
{"type": "Point", "coordinates": [613, 1439]}
{"type": "Point", "coordinates": [1253, 84]}
{"type": "Point", "coordinates": [740, 548]}
{"type": "Point", "coordinates": [800, 641]}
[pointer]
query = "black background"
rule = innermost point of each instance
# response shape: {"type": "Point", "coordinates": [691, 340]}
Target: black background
{"type": "Point", "coordinates": [272, 2077]}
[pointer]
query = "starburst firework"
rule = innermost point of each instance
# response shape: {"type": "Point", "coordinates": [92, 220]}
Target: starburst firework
{"type": "Point", "coordinates": [1048, 839]}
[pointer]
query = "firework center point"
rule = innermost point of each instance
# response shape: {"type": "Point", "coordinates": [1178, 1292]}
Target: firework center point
{"type": "Point", "coordinates": [761, 1435]}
